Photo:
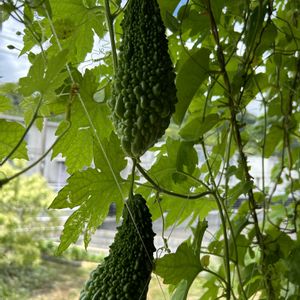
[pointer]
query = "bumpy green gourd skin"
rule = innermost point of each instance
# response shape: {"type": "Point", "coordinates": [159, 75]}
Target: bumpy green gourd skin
{"type": "Point", "coordinates": [144, 94]}
{"type": "Point", "coordinates": [126, 272]}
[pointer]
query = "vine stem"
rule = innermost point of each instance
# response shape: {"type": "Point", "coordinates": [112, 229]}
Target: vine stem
{"type": "Point", "coordinates": [215, 274]}
{"type": "Point", "coordinates": [223, 221]}
{"type": "Point", "coordinates": [263, 151]}
{"type": "Point", "coordinates": [7, 180]}
{"type": "Point", "coordinates": [132, 178]}
{"type": "Point", "coordinates": [226, 249]}
{"type": "Point", "coordinates": [109, 21]}
{"type": "Point", "coordinates": [224, 205]}
{"type": "Point", "coordinates": [24, 134]}
{"type": "Point", "coordinates": [238, 139]}
{"type": "Point", "coordinates": [167, 192]}
{"type": "Point", "coordinates": [165, 240]}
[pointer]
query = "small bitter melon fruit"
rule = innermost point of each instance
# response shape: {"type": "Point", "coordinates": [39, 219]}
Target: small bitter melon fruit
{"type": "Point", "coordinates": [126, 272]}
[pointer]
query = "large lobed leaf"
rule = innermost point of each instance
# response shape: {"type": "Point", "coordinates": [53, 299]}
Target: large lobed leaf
{"type": "Point", "coordinates": [182, 267]}
{"type": "Point", "coordinates": [92, 191]}
{"type": "Point", "coordinates": [75, 23]}
{"type": "Point", "coordinates": [77, 144]}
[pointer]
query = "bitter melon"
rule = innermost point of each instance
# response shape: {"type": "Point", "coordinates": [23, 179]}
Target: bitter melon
{"type": "Point", "coordinates": [126, 272]}
{"type": "Point", "coordinates": [144, 92]}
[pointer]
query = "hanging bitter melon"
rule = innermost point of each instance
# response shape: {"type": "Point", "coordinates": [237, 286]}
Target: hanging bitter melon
{"type": "Point", "coordinates": [126, 272]}
{"type": "Point", "coordinates": [144, 93]}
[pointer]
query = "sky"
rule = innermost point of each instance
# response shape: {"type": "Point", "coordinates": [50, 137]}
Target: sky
{"type": "Point", "coordinates": [12, 67]}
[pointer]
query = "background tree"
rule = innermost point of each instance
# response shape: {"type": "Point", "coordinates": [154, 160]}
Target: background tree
{"type": "Point", "coordinates": [23, 203]}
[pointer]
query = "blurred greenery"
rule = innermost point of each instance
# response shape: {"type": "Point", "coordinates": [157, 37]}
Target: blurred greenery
{"type": "Point", "coordinates": [74, 253]}
{"type": "Point", "coordinates": [23, 202]}
{"type": "Point", "coordinates": [44, 281]}
{"type": "Point", "coordinates": [50, 280]}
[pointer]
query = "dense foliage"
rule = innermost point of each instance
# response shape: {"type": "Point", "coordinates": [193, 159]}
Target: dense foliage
{"type": "Point", "coordinates": [233, 144]}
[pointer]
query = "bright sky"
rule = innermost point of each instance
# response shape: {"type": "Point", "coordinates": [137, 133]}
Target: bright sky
{"type": "Point", "coordinates": [12, 67]}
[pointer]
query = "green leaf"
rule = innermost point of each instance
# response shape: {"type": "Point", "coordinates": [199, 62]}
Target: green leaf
{"type": "Point", "coordinates": [195, 23]}
{"type": "Point", "coordinates": [272, 140]}
{"type": "Point", "coordinates": [83, 22]}
{"type": "Point", "coordinates": [254, 26]}
{"type": "Point", "coordinates": [55, 65]}
{"type": "Point", "coordinates": [166, 168]}
{"type": "Point", "coordinates": [5, 11]}
{"type": "Point", "coordinates": [293, 263]}
{"type": "Point", "coordinates": [212, 287]}
{"type": "Point", "coordinates": [268, 38]}
{"type": "Point", "coordinates": [167, 6]}
{"type": "Point", "coordinates": [34, 80]}
{"type": "Point", "coordinates": [195, 127]}
{"type": "Point", "coordinates": [253, 279]}
{"type": "Point", "coordinates": [189, 78]}
{"type": "Point", "coordinates": [10, 134]}
{"type": "Point", "coordinates": [33, 34]}
{"type": "Point", "coordinates": [77, 144]}
{"type": "Point", "coordinates": [187, 158]}
{"type": "Point", "coordinates": [181, 156]}
{"type": "Point", "coordinates": [179, 265]}
{"type": "Point", "coordinates": [109, 157]}
{"type": "Point", "coordinates": [181, 210]}
{"type": "Point", "coordinates": [182, 267]}
{"type": "Point", "coordinates": [181, 290]}
{"type": "Point", "coordinates": [45, 78]}
{"type": "Point", "coordinates": [171, 22]}
{"type": "Point", "coordinates": [92, 192]}
{"type": "Point", "coordinates": [239, 189]}
{"type": "Point", "coordinates": [217, 7]}
{"type": "Point", "coordinates": [116, 161]}
{"type": "Point", "coordinates": [5, 103]}
{"type": "Point", "coordinates": [49, 107]}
